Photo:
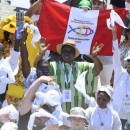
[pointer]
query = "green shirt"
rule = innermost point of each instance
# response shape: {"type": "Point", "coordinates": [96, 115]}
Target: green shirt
{"type": "Point", "coordinates": [63, 72]}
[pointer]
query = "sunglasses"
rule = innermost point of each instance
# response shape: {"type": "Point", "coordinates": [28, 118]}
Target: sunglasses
{"type": "Point", "coordinates": [68, 52]}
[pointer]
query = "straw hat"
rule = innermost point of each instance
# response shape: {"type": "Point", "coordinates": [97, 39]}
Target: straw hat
{"type": "Point", "coordinates": [68, 42]}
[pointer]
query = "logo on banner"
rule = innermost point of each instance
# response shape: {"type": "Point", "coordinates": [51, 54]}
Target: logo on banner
{"type": "Point", "coordinates": [81, 31]}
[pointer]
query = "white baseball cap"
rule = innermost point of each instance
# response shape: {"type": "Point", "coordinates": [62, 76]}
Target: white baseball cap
{"type": "Point", "coordinates": [102, 1]}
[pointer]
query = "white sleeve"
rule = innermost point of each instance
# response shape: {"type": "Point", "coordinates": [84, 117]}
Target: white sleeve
{"type": "Point", "coordinates": [116, 122]}
{"type": "Point", "coordinates": [14, 60]}
{"type": "Point", "coordinates": [116, 61]}
{"type": "Point", "coordinates": [88, 113]}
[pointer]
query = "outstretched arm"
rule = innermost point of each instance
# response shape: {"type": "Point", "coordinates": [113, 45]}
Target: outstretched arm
{"type": "Point", "coordinates": [97, 63]}
{"type": "Point", "coordinates": [35, 8]}
{"type": "Point", "coordinates": [29, 96]}
{"type": "Point", "coordinates": [116, 56]}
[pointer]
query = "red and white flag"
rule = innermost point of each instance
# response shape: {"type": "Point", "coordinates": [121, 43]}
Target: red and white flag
{"type": "Point", "coordinates": [59, 22]}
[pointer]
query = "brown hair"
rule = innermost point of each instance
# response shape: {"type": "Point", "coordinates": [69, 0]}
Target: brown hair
{"type": "Point", "coordinates": [47, 107]}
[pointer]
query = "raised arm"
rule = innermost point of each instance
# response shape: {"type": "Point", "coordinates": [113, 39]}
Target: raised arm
{"type": "Point", "coordinates": [34, 9]}
{"type": "Point", "coordinates": [116, 56]}
{"type": "Point", "coordinates": [43, 48]}
{"type": "Point", "coordinates": [29, 96]}
{"type": "Point", "coordinates": [97, 63]}
{"type": "Point", "coordinates": [24, 55]}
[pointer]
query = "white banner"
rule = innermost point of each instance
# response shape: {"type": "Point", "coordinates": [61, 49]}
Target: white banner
{"type": "Point", "coordinates": [81, 28]}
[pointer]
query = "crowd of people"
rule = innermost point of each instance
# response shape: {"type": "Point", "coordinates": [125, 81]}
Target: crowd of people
{"type": "Point", "coordinates": [38, 87]}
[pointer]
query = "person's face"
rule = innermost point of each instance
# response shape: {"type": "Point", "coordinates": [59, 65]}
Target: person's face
{"type": "Point", "coordinates": [67, 54]}
{"type": "Point", "coordinates": [102, 99]}
{"type": "Point", "coordinates": [44, 70]}
{"type": "Point", "coordinates": [98, 5]}
{"type": "Point", "coordinates": [41, 120]}
{"type": "Point", "coordinates": [12, 37]}
{"type": "Point", "coordinates": [77, 123]}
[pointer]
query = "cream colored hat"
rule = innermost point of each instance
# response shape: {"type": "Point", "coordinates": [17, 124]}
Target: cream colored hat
{"type": "Point", "coordinates": [77, 112]}
{"type": "Point", "coordinates": [71, 43]}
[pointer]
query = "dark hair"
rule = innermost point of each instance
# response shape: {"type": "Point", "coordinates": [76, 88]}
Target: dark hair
{"type": "Point", "coordinates": [32, 1]}
{"type": "Point", "coordinates": [47, 107]}
{"type": "Point", "coordinates": [126, 31]}
{"type": "Point", "coordinates": [105, 93]}
{"type": "Point", "coordinates": [6, 37]}
{"type": "Point", "coordinates": [42, 63]}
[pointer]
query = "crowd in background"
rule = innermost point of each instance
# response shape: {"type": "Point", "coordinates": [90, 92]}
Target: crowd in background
{"type": "Point", "coordinates": [39, 89]}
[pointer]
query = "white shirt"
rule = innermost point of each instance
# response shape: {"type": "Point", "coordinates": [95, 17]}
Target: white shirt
{"type": "Point", "coordinates": [102, 119]}
{"type": "Point", "coordinates": [121, 84]}
{"type": "Point", "coordinates": [8, 67]}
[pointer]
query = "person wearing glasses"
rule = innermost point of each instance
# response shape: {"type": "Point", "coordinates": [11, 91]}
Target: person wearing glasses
{"type": "Point", "coordinates": [67, 70]}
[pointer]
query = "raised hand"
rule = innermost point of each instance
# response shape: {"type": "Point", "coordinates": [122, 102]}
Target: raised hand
{"type": "Point", "coordinates": [96, 49]}
{"type": "Point", "coordinates": [43, 46]}
{"type": "Point", "coordinates": [5, 117]}
{"type": "Point", "coordinates": [47, 79]}
{"type": "Point", "coordinates": [24, 35]}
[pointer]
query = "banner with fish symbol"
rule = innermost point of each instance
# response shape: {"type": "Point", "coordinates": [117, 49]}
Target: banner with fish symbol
{"type": "Point", "coordinates": [59, 22]}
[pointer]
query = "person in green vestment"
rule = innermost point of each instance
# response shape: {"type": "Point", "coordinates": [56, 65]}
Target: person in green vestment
{"type": "Point", "coordinates": [67, 70]}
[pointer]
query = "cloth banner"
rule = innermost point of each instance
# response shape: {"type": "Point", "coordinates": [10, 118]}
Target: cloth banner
{"type": "Point", "coordinates": [59, 22]}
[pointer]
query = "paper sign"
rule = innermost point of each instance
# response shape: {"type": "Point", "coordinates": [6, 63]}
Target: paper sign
{"type": "Point", "coordinates": [67, 95]}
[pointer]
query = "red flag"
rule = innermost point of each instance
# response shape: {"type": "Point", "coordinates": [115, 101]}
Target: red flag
{"type": "Point", "coordinates": [53, 25]}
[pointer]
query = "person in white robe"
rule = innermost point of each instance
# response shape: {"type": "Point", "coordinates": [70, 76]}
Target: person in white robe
{"type": "Point", "coordinates": [102, 116]}
{"type": "Point", "coordinates": [121, 95]}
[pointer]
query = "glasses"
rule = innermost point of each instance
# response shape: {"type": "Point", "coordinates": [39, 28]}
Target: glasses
{"type": "Point", "coordinates": [68, 52]}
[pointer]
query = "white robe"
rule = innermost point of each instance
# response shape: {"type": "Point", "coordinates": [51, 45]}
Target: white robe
{"type": "Point", "coordinates": [95, 116]}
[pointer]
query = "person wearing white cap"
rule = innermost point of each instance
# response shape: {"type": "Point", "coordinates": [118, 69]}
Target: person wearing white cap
{"type": "Point", "coordinates": [121, 96]}
{"type": "Point", "coordinates": [46, 101]}
{"type": "Point", "coordinates": [77, 118]}
{"type": "Point", "coordinates": [25, 109]}
{"type": "Point", "coordinates": [102, 116]}
{"type": "Point", "coordinates": [9, 126]}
